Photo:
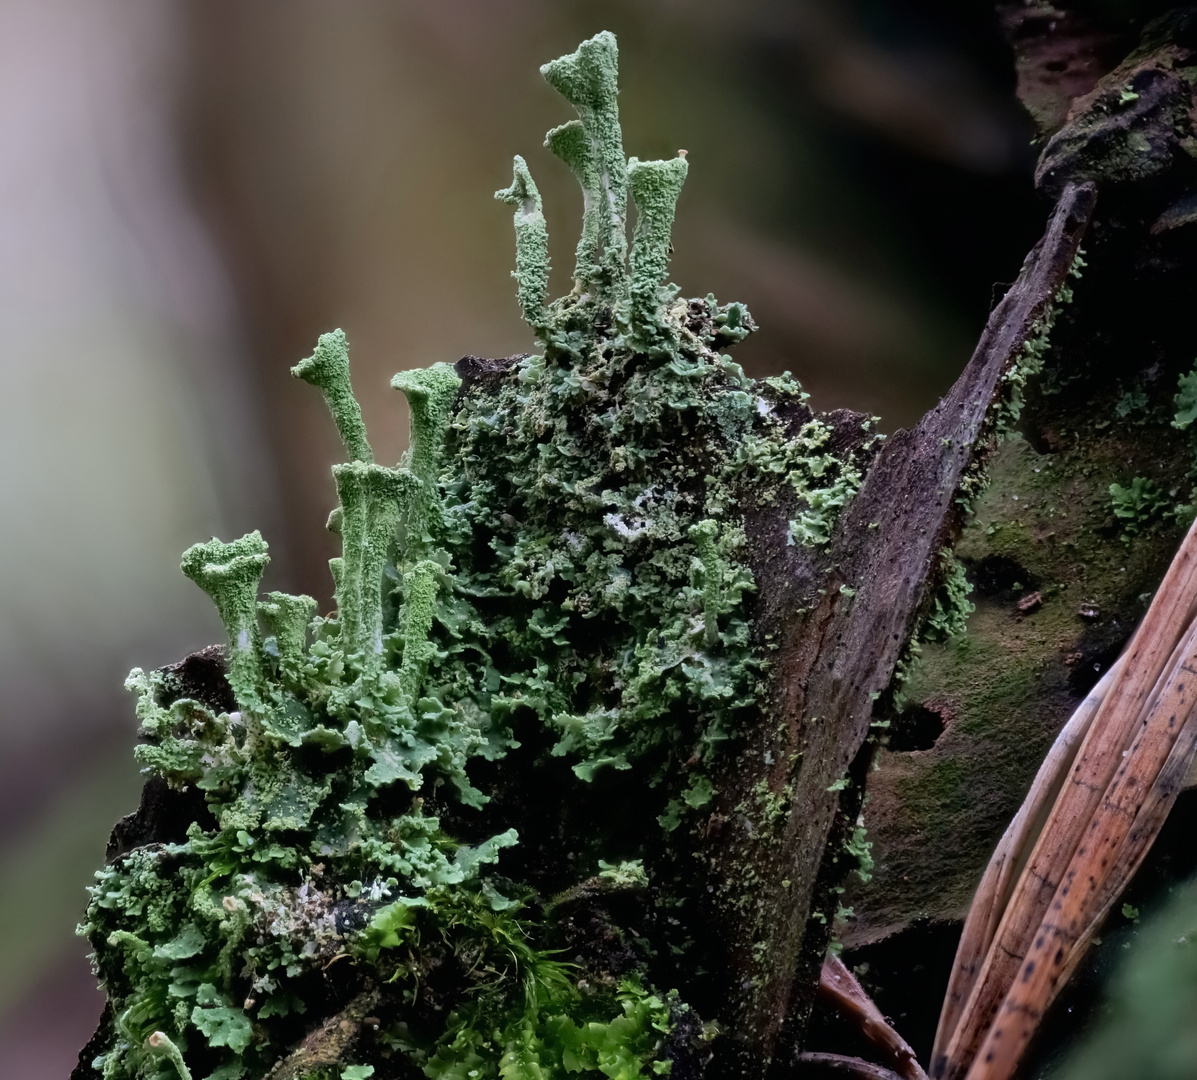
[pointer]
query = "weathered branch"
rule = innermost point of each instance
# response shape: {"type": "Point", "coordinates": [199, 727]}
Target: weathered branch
{"type": "Point", "coordinates": [839, 623]}
{"type": "Point", "coordinates": [330, 1044]}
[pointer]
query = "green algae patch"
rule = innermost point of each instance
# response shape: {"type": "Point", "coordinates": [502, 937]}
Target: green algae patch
{"type": "Point", "coordinates": [556, 568]}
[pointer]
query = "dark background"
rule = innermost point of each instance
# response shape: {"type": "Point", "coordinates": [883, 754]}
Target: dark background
{"type": "Point", "coordinates": [193, 190]}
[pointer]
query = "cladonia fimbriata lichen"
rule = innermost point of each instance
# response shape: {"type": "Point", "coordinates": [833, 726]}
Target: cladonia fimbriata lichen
{"type": "Point", "coordinates": [560, 551]}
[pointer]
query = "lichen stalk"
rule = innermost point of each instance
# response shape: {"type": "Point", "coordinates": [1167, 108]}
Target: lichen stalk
{"type": "Point", "coordinates": [592, 147]}
{"type": "Point", "coordinates": [655, 187]}
{"type": "Point", "coordinates": [531, 245]}
{"type": "Point", "coordinates": [286, 618]}
{"type": "Point", "coordinates": [229, 574]}
{"type": "Point", "coordinates": [430, 393]}
{"type": "Point", "coordinates": [328, 368]}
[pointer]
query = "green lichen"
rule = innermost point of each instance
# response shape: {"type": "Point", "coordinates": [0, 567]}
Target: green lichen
{"type": "Point", "coordinates": [561, 551]}
{"type": "Point", "coordinates": [822, 482]}
{"type": "Point", "coordinates": [655, 187]}
{"type": "Point", "coordinates": [328, 368]}
{"type": "Point", "coordinates": [1185, 400]}
{"type": "Point", "coordinates": [430, 395]}
{"type": "Point", "coordinates": [861, 849]}
{"type": "Point", "coordinates": [531, 245]}
{"type": "Point", "coordinates": [951, 607]}
{"type": "Point", "coordinates": [592, 146]}
{"type": "Point", "coordinates": [229, 574]}
{"type": "Point", "coordinates": [286, 620]}
{"type": "Point", "coordinates": [1137, 504]}
{"type": "Point", "coordinates": [1030, 359]}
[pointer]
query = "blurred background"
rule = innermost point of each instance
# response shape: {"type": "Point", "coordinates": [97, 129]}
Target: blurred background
{"type": "Point", "coordinates": [192, 190]}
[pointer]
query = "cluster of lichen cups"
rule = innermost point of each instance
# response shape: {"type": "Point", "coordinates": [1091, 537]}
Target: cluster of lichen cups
{"type": "Point", "coordinates": [561, 544]}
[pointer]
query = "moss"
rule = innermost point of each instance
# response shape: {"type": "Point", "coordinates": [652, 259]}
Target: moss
{"type": "Point", "coordinates": [561, 551]}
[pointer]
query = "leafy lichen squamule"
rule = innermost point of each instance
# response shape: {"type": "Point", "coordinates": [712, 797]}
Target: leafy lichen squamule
{"type": "Point", "coordinates": [564, 548]}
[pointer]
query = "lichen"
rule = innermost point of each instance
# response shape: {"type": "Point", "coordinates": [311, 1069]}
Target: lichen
{"type": "Point", "coordinates": [951, 607]}
{"type": "Point", "coordinates": [1185, 400]}
{"type": "Point", "coordinates": [1137, 504]}
{"type": "Point", "coordinates": [1030, 359]}
{"type": "Point", "coordinates": [561, 550]}
{"type": "Point", "coordinates": [531, 245]}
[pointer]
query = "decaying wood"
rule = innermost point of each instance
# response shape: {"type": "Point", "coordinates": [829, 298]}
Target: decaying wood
{"type": "Point", "coordinates": [330, 1044]}
{"type": "Point", "coordinates": [835, 653]}
{"type": "Point", "coordinates": [1128, 770]}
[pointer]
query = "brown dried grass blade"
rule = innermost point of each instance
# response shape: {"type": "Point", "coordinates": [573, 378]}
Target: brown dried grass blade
{"type": "Point", "coordinates": [1097, 871]}
{"type": "Point", "coordinates": [1009, 858]}
{"type": "Point", "coordinates": [1148, 822]}
{"type": "Point", "coordinates": [1134, 685]}
{"type": "Point", "coordinates": [839, 988]}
